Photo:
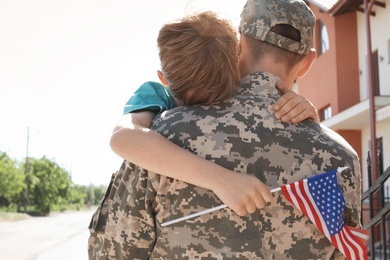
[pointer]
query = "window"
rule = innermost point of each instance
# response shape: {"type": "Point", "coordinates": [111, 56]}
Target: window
{"type": "Point", "coordinates": [375, 64]}
{"type": "Point", "coordinates": [388, 51]}
{"type": "Point", "coordinates": [325, 113]}
{"type": "Point", "coordinates": [322, 38]}
{"type": "Point", "coordinates": [375, 73]}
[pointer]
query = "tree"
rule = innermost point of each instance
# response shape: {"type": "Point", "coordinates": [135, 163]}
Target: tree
{"type": "Point", "coordinates": [90, 199]}
{"type": "Point", "coordinates": [94, 194]}
{"type": "Point", "coordinates": [49, 186]}
{"type": "Point", "coordinates": [11, 180]}
{"type": "Point", "coordinates": [78, 193]}
{"type": "Point", "coordinates": [99, 193]}
{"type": "Point", "coordinates": [48, 183]}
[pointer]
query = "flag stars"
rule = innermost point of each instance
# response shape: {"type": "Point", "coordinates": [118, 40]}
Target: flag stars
{"type": "Point", "coordinates": [328, 199]}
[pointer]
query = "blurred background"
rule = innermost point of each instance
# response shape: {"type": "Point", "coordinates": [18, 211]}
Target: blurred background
{"type": "Point", "coordinates": [67, 68]}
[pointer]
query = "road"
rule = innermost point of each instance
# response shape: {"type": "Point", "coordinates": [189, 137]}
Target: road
{"type": "Point", "coordinates": [60, 236]}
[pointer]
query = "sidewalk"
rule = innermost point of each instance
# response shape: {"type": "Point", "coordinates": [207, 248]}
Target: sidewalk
{"type": "Point", "coordinates": [62, 236]}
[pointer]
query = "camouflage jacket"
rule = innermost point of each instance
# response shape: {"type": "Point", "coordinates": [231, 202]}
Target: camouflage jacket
{"type": "Point", "coordinates": [242, 135]}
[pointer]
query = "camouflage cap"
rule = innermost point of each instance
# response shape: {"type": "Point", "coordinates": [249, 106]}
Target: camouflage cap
{"type": "Point", "coordinates": [260, 16]}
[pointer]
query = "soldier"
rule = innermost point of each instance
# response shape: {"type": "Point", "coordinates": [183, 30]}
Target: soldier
{"type": "Point", "coordinates": [240, 134]}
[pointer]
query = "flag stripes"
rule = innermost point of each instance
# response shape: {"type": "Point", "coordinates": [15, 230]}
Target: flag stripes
{"type": "Point", "coordinates": [320, 199]}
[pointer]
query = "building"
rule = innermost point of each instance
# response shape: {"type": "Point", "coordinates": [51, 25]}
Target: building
{"type": "Point", "coordinates": [352, 40]}
{"type": "Point", "coordinates": [338, 82]}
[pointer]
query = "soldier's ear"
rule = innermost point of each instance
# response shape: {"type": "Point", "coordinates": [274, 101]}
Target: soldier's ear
{"type": "Point", "coordinates": [162, 78]}
{"type": "Point", "coordinates": [308, 61]}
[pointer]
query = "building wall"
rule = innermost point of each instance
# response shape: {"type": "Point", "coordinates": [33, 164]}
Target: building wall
{"type": "Point", "coordinates": [347, 61]}
{"type": "Point", "coordinates": [354, 138]}
{"type": "Point", "coordinates": [319, 87]}
{"type": "Point", "coordinates": [380, 41]}
{"type": "Point", "coordinates": [334, 77]}
{"type": "Point", "coordinates": [339, 77]}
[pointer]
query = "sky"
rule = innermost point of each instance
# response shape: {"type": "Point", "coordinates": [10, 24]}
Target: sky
{"type": "Point", "coordinates": [67, 67]}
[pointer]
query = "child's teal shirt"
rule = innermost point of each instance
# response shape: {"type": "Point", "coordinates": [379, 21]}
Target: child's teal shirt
{"type": "Point", "coordinates": [150, 96]}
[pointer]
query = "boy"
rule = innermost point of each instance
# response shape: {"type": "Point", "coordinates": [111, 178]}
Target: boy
{"type": "Point", "coordinates": [208, 44]}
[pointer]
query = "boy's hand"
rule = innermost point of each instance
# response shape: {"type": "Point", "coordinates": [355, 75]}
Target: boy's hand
{"type": "Point", "coordinates": [242, 193]}
{"type": "Point", "coordinates": [294, 108]}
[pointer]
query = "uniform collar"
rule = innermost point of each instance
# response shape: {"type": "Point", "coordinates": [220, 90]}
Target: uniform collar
{"type": "Point", "coordinates": [260, 83]}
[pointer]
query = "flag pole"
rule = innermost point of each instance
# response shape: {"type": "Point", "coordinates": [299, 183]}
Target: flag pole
{"type": "Point", "coordinates": [203, 212]}
{"type": "Point", "coordinates": [339, 170]}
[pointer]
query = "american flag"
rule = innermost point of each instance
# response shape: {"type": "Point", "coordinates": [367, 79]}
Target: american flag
{"type": "Point", "coordinates": [320, 199]}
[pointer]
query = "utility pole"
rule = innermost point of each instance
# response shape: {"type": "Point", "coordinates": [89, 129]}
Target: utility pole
{"type": "Point", "coordinates": [371, 87]}
{"type": "Point", "coordinates": [375, 232]}
{"type": "Point", "coordinates": [71, 181]}
{"type": "Point", "coordinates": [26, 172]}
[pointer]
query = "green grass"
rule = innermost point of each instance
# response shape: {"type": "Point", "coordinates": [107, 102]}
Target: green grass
{"type": "Point", "coordinates": [12, 216]}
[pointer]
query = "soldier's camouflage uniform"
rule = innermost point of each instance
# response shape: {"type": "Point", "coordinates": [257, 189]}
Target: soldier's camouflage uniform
{"type": "Point", "coordinates": [241, 135]}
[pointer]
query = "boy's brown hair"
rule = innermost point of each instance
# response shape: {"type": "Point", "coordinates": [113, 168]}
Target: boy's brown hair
{"type": "Point", "coordinates": [198, 55]}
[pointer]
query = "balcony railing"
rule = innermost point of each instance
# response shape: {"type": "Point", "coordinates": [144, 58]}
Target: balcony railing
{"type": "Point", "coordinates": [378, 209]}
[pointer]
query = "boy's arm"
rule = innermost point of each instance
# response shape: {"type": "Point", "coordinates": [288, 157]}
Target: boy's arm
{"type": "Point", "coordinates": [134, 141]}
{"type": "Point", "coordinates": [158, 154]}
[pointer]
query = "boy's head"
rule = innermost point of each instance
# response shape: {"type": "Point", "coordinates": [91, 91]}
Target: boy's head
{"type": "Point", "coordinates": [280, 28]}
{"type": "Point", "coordinates": [198, 56]}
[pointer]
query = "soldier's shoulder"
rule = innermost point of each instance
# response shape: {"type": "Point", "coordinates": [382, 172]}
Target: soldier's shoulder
{"type": "Point", "coordinates": [336, 137]}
